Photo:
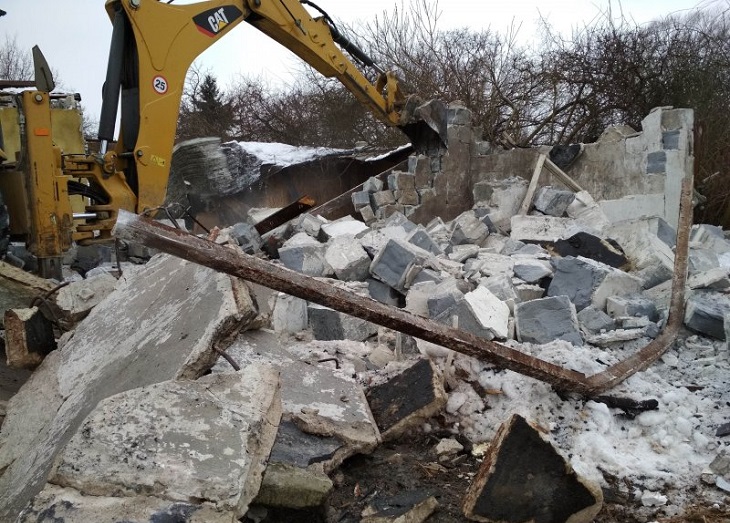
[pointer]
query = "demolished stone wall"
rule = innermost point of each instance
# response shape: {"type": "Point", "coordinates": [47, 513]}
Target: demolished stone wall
{"type": "Point", "coordinates": [633, 174]}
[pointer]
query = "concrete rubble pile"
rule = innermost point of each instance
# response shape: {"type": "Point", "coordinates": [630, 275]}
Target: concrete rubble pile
{"type": "Point", "coordinates": [184, 394]}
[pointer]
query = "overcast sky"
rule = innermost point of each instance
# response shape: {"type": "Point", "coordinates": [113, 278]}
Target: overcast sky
{"type": "Point", "coordinates": [74, 34]}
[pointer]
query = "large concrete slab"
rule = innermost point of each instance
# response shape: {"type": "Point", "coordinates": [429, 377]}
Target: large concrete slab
{"type": "Point", "coordinates": [179, 440]}
{"type": "Point", "coordinates": [69, 506]}
{"type": "Point", "coordinates": [316, 399]}
{"type": "Point", "coordinates": [160, 323]}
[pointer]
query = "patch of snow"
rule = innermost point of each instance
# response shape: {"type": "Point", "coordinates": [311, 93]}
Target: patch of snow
{"type": "Point", "coordinates": [284, 155]}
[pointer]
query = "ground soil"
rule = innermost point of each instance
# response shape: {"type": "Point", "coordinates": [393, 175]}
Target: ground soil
{"type": "Point", "coordinates": [410, 466]}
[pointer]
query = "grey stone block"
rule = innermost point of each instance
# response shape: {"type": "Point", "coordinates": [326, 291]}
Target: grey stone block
{"type": "Point", "coordinates": [656, 162]}
{"type": "Point", "coordinates": [345, 226]}
{"type": "Point", "coordinates": [246, 237]}
{"type": "Point", "coordinates": [329, 324]}
{"type": "Point", "coordinates": [468, 228]}
{"type": "Point", "coordinates": [547, 319]}
{"type": "Point", "coordinates": [382, 198]}
{"type": "Point", "coordinates": [532, 271]}
{"type": "Point", "coordinates": [595, 320]}
{"type": "Point", "coordinates": [304, 254]}
{"type": "Point", "coordinates": [383, 293]}
{"type": "Point", "coordinates": [706, 313]}
{"type": "Point", "coordinates": [398, 263]}
{"type": "Point", "coordinates": [420, 238]}
{"type": "Point", "coordinates": [347, 258]}
{"type": "Point", "coordinates": [523, 477]}
{"type": "Point", "coordinates": [372, 185]}
{"type": "Point", "coordinates": [407, 197]}
{"type": "Point", "coordinates": [631, 305]}
{"type": "Point", "coordinates": [443, 297]}
{"type": "Point", "coordinates": [360, 199]}
{"type": "Point", "coordinates": [587, 282]}
{"type": "Point", "coordinates": [401, 181]}
{"type": "Point", "coordinates": [553, 202]}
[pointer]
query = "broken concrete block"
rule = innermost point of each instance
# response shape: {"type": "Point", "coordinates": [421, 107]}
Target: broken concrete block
{"type": "Point", "coordinates": [606, 339]}
{"type": "Point", "coordinates": [588, 282]}
{"type": "Point", "coordinates": [506, 199]}
{"type": "Point", "coordinates": [308, 224]}
{"type": "Point", "coordinates": [709, 237]}
{"type": "Point", "coordinates": [491, 312]}
{"type": "Point", "coordinates": [503, 288]}
{"type": "Point", "coordinates": [372, 185]}
{"type": "Point", "coordinates": [360, 199]}
{"type": "Point", "coordinates": [540, 228]}
{"type": "Point", "coordinates": [528, 292]}
{"type": "Point", "coordinates": [420, 238]}
{"type": "Point", "coordinates": [69, 506]}
{"type": "Point", "coordinates": [347, 258]}
{"type": "Point", "coordinates": [468, 229]}
{"type": "Point", "coordinates": [289, 313]}
{"type": "Point", "coordinates": [293, 487]}
{"type": "Point", "coordinates": [398, 263]}
{"type": "Point", "coordinates": [491, 264]}
{"type": "Point", "coordinates": [367, 214]}
{"type": "Point", "coordinates": [706, 311]}
{"type": "Point", "coordinates": [547, 319]}
{"type": "Point", "coordinates": [531, 270]}
{"type": "Point", "coordinates": [76, 299]}
{"type": "Point", "coordinates": [444, 296]}
{"type": "Point", "coordinates": [304, 254]}
{"type": "Point", "coordinates": [159, 440]}
{"type": "Point", "coordinates": [160, 323]}
{"type": "Point", "coordinates": [701, 260]}
{"type": "Point", "coordinates": [399, 180]}
{"type": "Point", "coordinates": [461, 253]}
{"type": "Point", "coordinates": [593, 320]}
{"type": "Point", "coordinates": [28, 337]}
{"type": "Point", "coordinates": [406, 507]}
{"type": "Point", "coordinates": [407, 399]}
{"type": "Point", "coordinates": [717, 279]}
{"type": "Point", "coordinates": [346, 226]}
{"type": "Point", "coordinates": [551, 201]}
{"type": "Point", "coordinates": [246, 237]}
{"type": "Point", "coordinates": [587, 212]}
{"type": "Point", "coordinates": [590, 246]}
{"type": "Point", "coordinates": [631, 305]}
{"type": "Point", "coordinates": [329, 324]}
{"type": "Point", "coordinates": [524, 478]}
{"type": "Point", "coordinates": [384, 293]}
{"type": "Point", "coordinates": [382, 198]}
{"type": "Point", "coordinates": [317, 401]}
{"type": "Point", "coordinates": [645, 243]}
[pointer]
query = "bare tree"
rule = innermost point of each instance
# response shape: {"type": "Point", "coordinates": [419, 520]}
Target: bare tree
{"type": "Point", "coordinates": [15, 64]}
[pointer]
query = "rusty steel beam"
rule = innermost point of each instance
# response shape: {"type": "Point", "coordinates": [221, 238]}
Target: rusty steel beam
{"type": "Point", "coordinates": [131, 227]}
{"type": "Point", "coordinates": [236, 263]}
{"type": "Point", "coordinates": [285, 214]}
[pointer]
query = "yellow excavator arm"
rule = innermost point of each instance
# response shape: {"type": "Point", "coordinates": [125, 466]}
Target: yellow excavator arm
{"type": "Point", "coordinates": [153, 45]}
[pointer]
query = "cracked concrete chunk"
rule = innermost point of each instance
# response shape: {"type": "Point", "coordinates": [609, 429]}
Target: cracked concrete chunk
{"type": "Point", "coordinates": [160, 323]}
{"type": "Point", "coordinates": [179, 440]}
{"type": "Point", "coordinates": [293, 487]}
{"type": "Point", "coordinates": [28, 337]}
{"type": "Point", "coordinates": [407, 399]}
{"type": "Point", "coordinates": [69, 506]}
{"type": "Point", "coordinates": [76, 299]}
{"type": "Point", "coordinates": [547, 319]}
{"type": "Point", "coordinates": [523, 478]}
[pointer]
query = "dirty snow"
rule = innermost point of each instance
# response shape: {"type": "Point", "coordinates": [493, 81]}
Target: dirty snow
{"type": "Point", "coordinates": [662, 452]}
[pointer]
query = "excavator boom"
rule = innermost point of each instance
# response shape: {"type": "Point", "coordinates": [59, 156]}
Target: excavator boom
{"type": "Point", "coordinates": [152, 47]}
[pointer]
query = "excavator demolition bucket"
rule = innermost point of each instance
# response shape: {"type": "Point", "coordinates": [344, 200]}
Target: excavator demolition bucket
{"type": "Point", "coordinates": [425, 125]}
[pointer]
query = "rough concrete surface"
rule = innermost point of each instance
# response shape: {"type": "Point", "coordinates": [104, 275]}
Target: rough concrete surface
{"type": "Point", "coordinates": [159, 323]}
{"type": "Point", "coordinates": [179, 440]}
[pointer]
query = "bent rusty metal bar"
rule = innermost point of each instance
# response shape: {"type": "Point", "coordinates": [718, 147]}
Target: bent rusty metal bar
{"type": "Point", "coordinates": [236, 263]}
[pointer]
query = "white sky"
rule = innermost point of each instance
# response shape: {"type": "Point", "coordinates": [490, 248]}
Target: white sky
{"type": "Point", "coordinates": [74, 34]}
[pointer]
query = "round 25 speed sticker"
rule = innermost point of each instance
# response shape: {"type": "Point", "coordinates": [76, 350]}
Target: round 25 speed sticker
{"type": "Point", "coordinates": [159, 83]}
